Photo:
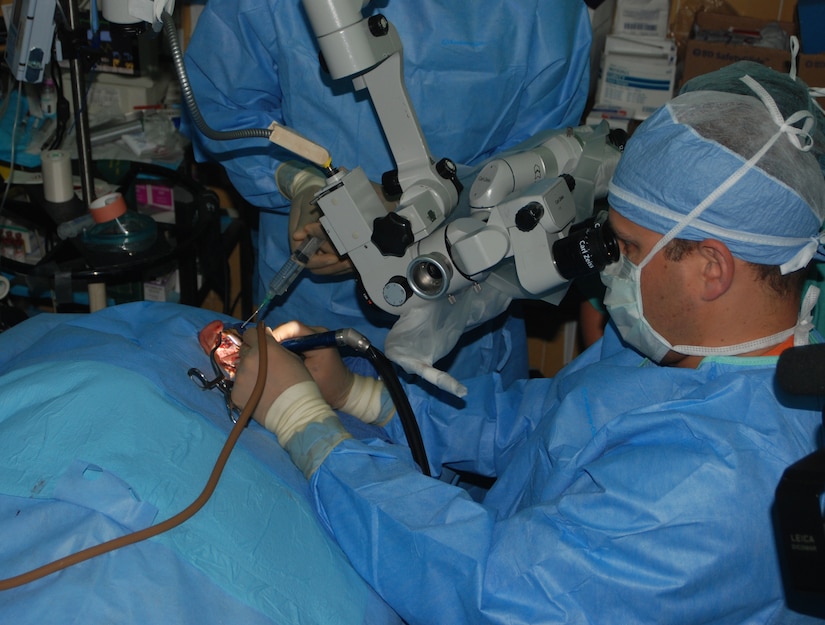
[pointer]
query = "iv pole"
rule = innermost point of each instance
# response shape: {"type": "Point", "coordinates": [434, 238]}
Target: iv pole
{"type": "Point", "coordinates": [96, 290]}
{"type": "Point", "coordinates": [84, 147]}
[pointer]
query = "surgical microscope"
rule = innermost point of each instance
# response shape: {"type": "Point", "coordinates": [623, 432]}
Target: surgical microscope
{"type": "Point", "coordinates": [518, 228]}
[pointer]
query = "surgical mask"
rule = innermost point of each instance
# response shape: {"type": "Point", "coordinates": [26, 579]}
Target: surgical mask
{"type": "Point", "coordinates": [624, 303]}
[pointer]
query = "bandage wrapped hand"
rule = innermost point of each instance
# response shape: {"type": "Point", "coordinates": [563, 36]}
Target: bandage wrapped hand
{"type": "Point", "coordinates": [363, 397]}
{"type": "Point", "coordinates": [303, 223]}
{"type": "Point", "coordinates": [292, 405]}
{"type": "Point", "coordinates": [300, 393]}
{"type": "Point", "coordinates": [299, 182]}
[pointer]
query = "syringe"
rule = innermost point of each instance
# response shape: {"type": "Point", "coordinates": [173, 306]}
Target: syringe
{"type": "Point", "coordinates": [287, 273]}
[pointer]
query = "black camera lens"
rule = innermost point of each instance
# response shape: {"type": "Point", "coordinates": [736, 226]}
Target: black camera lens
{"type": "Point", "coordinates": [589, 247]}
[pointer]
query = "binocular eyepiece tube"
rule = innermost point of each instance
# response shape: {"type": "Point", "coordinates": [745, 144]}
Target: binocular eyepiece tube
{"type": "Point", "coordinates": [589, 247]}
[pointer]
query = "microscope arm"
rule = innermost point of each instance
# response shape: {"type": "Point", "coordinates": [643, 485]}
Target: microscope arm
{"type": "Point", "coordinates": [369, 51]}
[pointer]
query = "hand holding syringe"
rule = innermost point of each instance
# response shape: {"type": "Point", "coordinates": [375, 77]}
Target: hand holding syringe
{"type": "Point", "coordinates": [299, 183]}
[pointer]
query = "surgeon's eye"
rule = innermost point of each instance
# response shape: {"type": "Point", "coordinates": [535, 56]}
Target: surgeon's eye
{"type": "Point", "coordinates": [629, 249]}
{"type": "Point", "coordinates": [624, 246]}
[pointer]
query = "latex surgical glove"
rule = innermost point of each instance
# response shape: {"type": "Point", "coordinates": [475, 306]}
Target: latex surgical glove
{"type": "Point", "coordinates": [291, 406]}
{"type": "Point", "coordinates": [362, 397]}
{"type": "Point", "coordinates": [325, 262]}
{"type": "Point", "coordinates": [299, 182]}
{"type": "Point", "coordinates": [325, 365]}
{"type": "Point", "coordinates": [284, 369]}
{"type": "Point", "coordinates": [304, 216]}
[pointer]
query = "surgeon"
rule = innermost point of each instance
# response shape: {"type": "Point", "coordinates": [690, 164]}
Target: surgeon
{"type": "Point", "coordinates": [636, 486]}
{"type": "Point", "coordinates": [483, 76]}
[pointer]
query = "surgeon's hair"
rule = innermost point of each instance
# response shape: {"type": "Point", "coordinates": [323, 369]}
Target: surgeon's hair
{"type": "Point", "coordinates": [783, 285]}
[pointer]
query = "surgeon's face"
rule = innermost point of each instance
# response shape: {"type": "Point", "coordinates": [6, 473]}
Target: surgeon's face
{"type": "Point", "coordinates": [667, 286]}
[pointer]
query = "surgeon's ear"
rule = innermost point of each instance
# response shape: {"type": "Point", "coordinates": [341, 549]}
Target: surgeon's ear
{"type": "Point", "coordinates": [718, 268]}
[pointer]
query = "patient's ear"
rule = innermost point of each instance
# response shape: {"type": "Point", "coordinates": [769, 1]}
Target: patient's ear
{"type": "Point", "coordinates": [718, 268]}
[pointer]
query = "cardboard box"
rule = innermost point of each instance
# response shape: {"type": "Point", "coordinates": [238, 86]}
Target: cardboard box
{"type": "Point", "coordinates": [702, 57]}
{"type": "Point", "coordinates": [768, 10]}
{"type": "Point", "coordinates": [127, 92]}
{"type": "Point", "coordinates": [683, 14]}
{"type": "Point", "coordinates": [601, 22]}
{"type": "Point", "coordinates": [163, 289]}
{"type": "Point", "coordinates": [156, 200]}
{"type": "Point", "coordinates": [642, 18]}
{"type": "Point", "coordinates": [637, 74]}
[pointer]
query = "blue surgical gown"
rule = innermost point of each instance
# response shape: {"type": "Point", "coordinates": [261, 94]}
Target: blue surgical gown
{"type": "Point", "coordinates": [626, 493]}
{"type": "Point", "coordinates": [483, 76]}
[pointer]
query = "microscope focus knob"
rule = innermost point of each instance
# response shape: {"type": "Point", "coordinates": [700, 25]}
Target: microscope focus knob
{"type": "Point", "coordinates": [528, 216]}
{"type": "Point", "coordinates": [397, 291]}
{"type": "Point", "coordinates": [447, 170]}
{"type": "Point", "coordinates": [392, 234]}
{"type": "Point", "coordinates": [378, 25]}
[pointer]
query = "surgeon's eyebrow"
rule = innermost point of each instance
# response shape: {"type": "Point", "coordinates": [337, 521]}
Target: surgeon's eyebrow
{"type": "Point", "coordinates": [628, 242]}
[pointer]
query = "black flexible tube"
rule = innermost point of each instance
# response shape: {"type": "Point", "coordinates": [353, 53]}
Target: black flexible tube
{"type": "Point", "coordinates": [386, 370]}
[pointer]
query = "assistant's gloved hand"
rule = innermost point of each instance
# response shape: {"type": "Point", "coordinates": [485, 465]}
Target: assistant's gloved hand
{"type": "Point", "coordinates": [303, 223]}
{"type": "Point", "coordinates": [360, 396]}
{"type": "Point", "coordinates": [291, 406]}
{"type": "Point", "coordinates": [299, 182]}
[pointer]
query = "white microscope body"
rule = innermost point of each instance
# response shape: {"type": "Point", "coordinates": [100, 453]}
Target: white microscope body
{"type": "Point", "coordinates": [519, 206]}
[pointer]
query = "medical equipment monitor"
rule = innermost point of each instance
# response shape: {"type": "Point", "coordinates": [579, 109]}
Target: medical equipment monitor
{"type": "Point", "coordinates": [30, 36]}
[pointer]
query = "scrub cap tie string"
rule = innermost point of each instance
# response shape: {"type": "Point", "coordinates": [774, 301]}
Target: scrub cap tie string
{"type": "Point", "coordinates": [786, 126]}
{"type": "Point", "coordinates": [794, 53]}
{"type": "Point", "coordinates": [815, 92]}
{"type": "Point", "coordinates": [804, 255]}
{"type": "Point", "coordinates": [806, 317]}
{"type": "Point", "coordinates": [794, 133]}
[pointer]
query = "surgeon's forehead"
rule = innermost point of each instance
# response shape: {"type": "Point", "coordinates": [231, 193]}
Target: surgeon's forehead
{"type": "Point", "coordinates": [629, 230]}
{"type": "Point", "coordinates": [621, 225]}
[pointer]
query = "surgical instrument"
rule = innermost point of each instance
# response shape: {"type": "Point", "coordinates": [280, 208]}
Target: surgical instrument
{"type": "Point", "coordinates": [287, 273]}
{"type": "Point", "coordinates": [220, 381]}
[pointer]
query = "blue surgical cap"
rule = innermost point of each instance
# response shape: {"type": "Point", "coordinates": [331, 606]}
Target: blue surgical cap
{"type": "Point", "coordinates": [727, 166]}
